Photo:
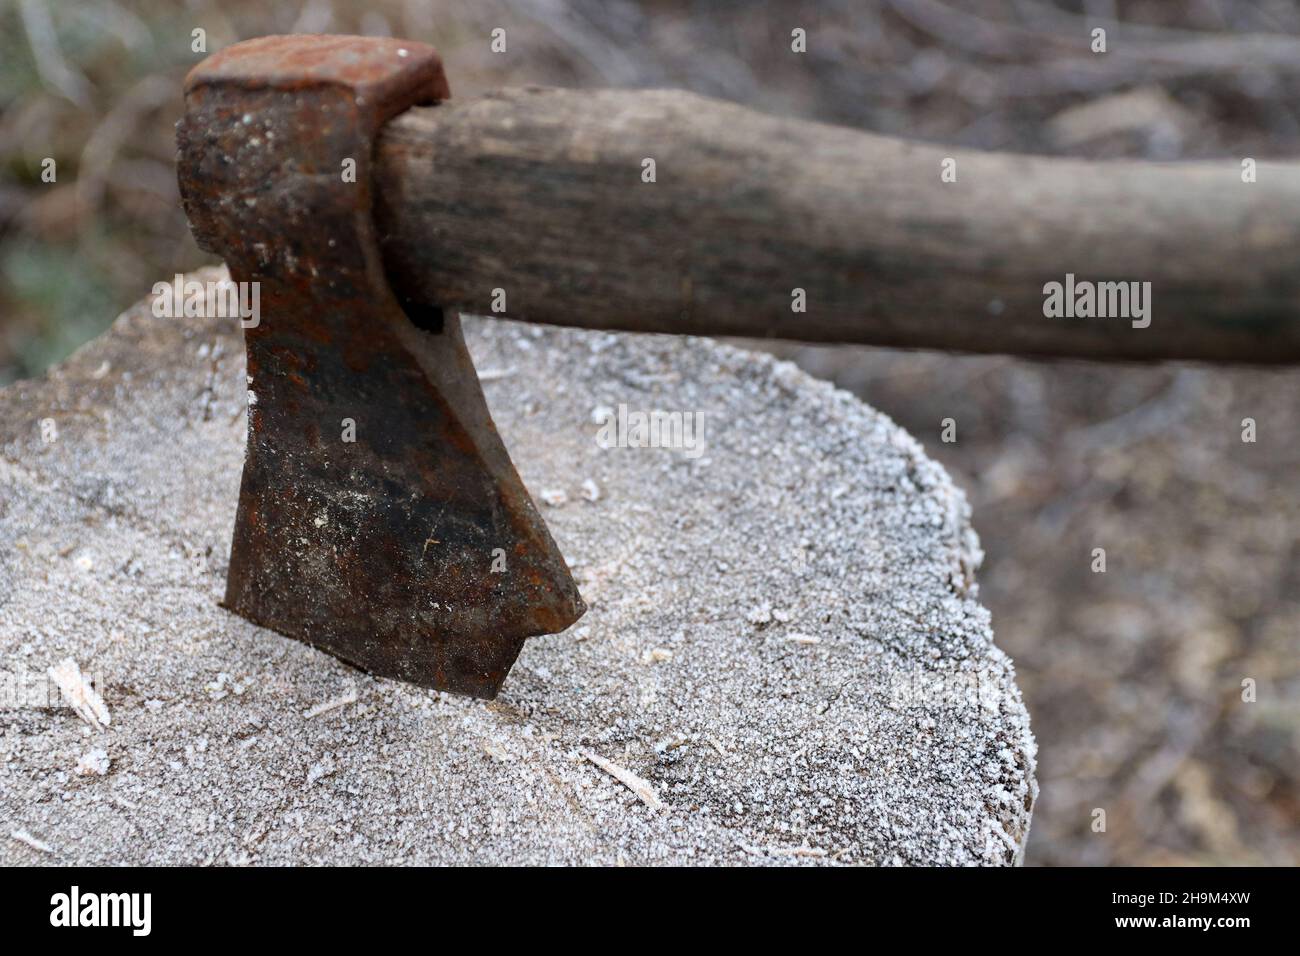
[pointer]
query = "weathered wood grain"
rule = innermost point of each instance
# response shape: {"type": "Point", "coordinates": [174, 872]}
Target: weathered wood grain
{"type": "Point", "coordinates": [540, 193]}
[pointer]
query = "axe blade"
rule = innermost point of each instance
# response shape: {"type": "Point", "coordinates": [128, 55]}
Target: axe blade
{"type": "Point", "coordinates": [380, 517]}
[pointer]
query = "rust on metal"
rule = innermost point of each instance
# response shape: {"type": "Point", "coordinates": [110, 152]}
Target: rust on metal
{"type": "Point", "coordinates": [412, 551]}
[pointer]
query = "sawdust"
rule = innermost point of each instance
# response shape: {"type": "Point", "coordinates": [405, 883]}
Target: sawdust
{"type": "Point", "coordinates": [898, 737]}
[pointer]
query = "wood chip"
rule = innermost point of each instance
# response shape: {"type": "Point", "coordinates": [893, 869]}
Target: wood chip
{"type": "Point", "coordinates": [349, 698]}
{"type": "Point", "coordinates": [781, 850]}
{"type": "Point", "coordinates": [93, 763]}
{"type": "Point", "coordinates": [80, 695]}
{"type": "Point", "coordinates": [795, 851]}
{"type": "Point", "coordinates": [645, 793]}
{"type": "Point", "coordinates": [554, 497]}
{"type": "Point", "coordinates": [22, 836]}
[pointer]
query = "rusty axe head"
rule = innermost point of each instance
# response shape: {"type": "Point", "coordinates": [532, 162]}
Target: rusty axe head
{"type": "Point", "coordinates": [411, 550]}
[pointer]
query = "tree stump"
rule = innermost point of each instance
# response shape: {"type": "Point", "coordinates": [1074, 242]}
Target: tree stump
{"type": "Point", "coordinates": [784, 660]}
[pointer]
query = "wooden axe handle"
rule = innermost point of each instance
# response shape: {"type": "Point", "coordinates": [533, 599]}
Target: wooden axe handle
{"type": "Point", "coordinates": [541, 194]}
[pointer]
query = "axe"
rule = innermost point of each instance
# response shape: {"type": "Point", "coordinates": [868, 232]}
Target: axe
{"type": "Point", "coordinates": [372, 210]}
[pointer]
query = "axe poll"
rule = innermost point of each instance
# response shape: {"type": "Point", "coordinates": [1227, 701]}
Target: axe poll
{"type": "Point", "coordinates": [643, 211]}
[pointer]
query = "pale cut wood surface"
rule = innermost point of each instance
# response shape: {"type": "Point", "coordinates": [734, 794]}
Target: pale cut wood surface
{"type": "Point", "coordinates": [784, 660]}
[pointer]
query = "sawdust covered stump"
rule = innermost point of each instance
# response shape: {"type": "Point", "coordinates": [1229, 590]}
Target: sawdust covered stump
{"type": "Point", "coordinates": [784, 661]}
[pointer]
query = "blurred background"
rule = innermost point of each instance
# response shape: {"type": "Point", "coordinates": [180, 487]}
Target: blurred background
{"type": "Point", "coordinates": [1133, 677]}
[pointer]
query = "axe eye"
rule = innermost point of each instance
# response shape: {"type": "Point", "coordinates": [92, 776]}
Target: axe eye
{"type": "Point", "coordinates": [426, 318]}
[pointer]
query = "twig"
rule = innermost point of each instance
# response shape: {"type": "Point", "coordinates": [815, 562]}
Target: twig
{"type": "Point", "coordinates": [1135, 52]}
{"type": "Point", "coordinates": [52, 68]}
{"type": "Point", "coordinates": [645, 793]}
{"type": "Point", "coordinates": [113, 131]}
